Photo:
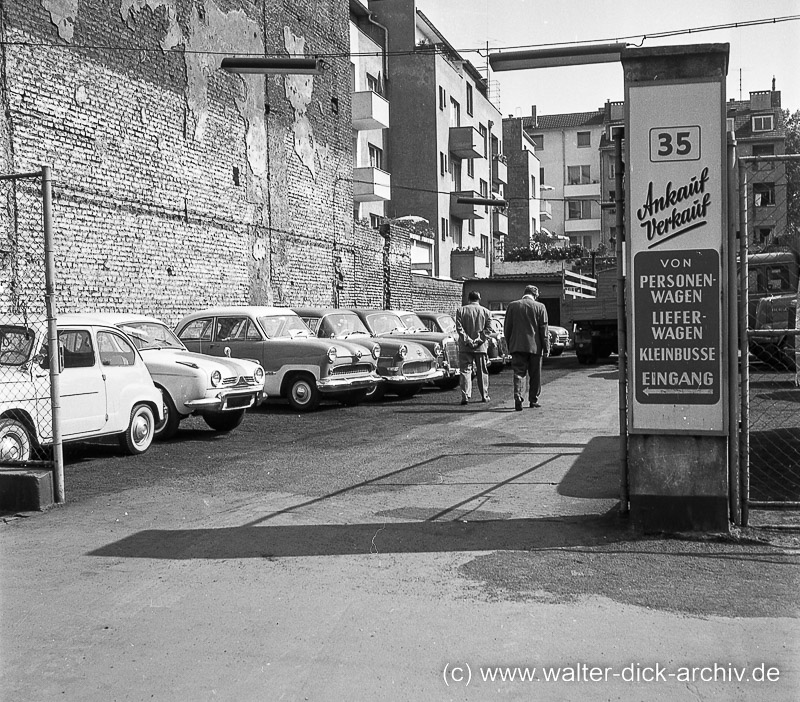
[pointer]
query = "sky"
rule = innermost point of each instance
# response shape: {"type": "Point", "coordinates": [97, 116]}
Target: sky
{"type": "Point", "coordinates": [756, 53]}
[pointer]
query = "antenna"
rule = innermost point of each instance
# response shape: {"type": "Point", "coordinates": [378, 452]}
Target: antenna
{"type": "Point", "coordinates": [740, 85]}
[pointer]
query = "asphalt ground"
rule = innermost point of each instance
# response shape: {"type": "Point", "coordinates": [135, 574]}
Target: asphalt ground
{"type": "Point", "coordinates": [410, 550]}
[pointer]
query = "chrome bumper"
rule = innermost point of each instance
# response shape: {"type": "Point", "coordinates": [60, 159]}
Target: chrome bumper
{"type": "Point", "coordinates": [339, 384]}
{"type": "Point", "coordinates": [227, 400]}
{"type": "Point", "coordinates": [403, 379]}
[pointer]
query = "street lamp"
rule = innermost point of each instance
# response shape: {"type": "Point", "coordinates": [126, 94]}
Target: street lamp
{"type": "Point", "coordinates": [255, 64]}
{"type": "Point", "coordinates": [558, 56]}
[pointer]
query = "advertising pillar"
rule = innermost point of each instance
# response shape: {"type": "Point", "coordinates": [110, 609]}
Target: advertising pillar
{"type": "Point", "coordinates": [676, 229]}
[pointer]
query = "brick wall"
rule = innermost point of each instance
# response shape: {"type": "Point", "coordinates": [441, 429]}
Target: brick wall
{"type": "Point", "coordinates": [178, 185]}
{"type": "Point", "coordinates": [436, 295]}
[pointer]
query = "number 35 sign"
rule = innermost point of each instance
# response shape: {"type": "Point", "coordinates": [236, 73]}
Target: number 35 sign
{"type": "Point", "coordinates": [675, 144]}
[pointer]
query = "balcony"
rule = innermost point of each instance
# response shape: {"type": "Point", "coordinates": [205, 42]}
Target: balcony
{"type": "Point", "coordinates": [371, 184]}
{"type": "Point", "coordinates": [468, 264]}
{"type": "Point", "coordinates": [584, 190]}
{"type": "Point", "coordinates": [499, 170]}
{"type": "Point", "coordinates": [462, 210]}
{"type": "Point", "coordinates": [370, 111]}
{"type": "Point", "coordinates": [466, 142]}
{"type": "Point", "coordinates": [572, 226]}
{"type": "Point", "coordinates": [545, 210]}
{"type": "Point", "coordinates": [499, 222]}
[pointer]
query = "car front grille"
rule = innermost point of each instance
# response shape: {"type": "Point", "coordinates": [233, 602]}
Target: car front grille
{"type": "Point", "coordinates": [240, 382]}
{"type": "Point", "coordinates": [416, 367]}
{"type": "Point", "coordinates": [354, 369]}
{"type": "Point", "coordinates": [451, 353]}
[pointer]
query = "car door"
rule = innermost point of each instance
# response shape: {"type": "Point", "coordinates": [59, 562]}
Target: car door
{"type": "Point", "coordinates": [82, 389]}
{"type": "Point", "coordinates": [239, 337]}
{"type": "Point", "coordinates": [196, 335]}
{"type": "Point", "coordinates": [122, 371]}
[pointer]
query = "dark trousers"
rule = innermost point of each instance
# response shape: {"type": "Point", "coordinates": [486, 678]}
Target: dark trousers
{"type": "Point", "coordinates": [527, 366]}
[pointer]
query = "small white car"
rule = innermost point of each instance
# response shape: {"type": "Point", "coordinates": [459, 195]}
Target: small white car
{"type": "Point", "coordinates": [219, 390]}
{"type": "Point", "coordinates": [105, 387]}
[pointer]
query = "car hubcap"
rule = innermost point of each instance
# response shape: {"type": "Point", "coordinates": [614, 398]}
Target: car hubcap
{"type": "Point", "coordinates": [10, 447]}
{"type": "Point", "coordinates": [141, 428]}
{"type": "Point", "coordinates": [301, 393]}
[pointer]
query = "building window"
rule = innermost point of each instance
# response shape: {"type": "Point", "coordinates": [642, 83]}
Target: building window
{"type": "Point", "coordinates": [375, 221]}
{"type": "Point", "coordinates": [541, 176]}
{"type": "Point", "coordinates": [471, 227]}
{"type": "Point", "coordinates": [485, 136]}
{"type": "Point", "coordinates": [484, 190]}
{"type": "Point", "coordinates": [455, 113]}
{"type": "Point", "coordinates": [579, 209]}
{"type": "Point", "coordinates": [485, 248]}
{"type": "Point", "coordinates": [762, 123]}
{"type": "Point", "coordinates": [538, 141]}
{"type": "Point", "coordinates": [470, 99]}
{"type": "Point", "coordinates": [762, 235]}
{"type": "Point", "coordinates": [578, 175]}
{"type": "Point", "coordinates": [442, 163]}
{"type": "Point", "coordinates": [444, 228]}
{"type": "Point", "coordinates": [442, 98]}
{"type": "Point", "coordinates": [533, 186]}
{"type": "Point", "coordinates": [375, 156]}
{"type": "Point", "coordinates": [763, 149]}
{"type": "Point", "coordinates": [457, 229]}
{"type": "Point", "coordinates": [764, 194]}
{"type": "Point", "coordinates": [471, 167]}
{"type": "Point", "coordinates": [584, 139]}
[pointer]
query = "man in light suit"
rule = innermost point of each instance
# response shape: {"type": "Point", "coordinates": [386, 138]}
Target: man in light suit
{"type": "Point", "coordinates": [473, 327]}
{"type": "Point", "coordinates": [525, 329]}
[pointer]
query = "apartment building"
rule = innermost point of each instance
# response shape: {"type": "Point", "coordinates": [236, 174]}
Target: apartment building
{"type": "Point", "coordinates": [568, 148]}
{"type": "Point", "coordinates": [760, 131]}
{"type": "Point", "coordinates": [614, 122]}
{"type": "Point", "coordinates": [371, 180]}
{"type": "Point", "coordinates": [445, 147]}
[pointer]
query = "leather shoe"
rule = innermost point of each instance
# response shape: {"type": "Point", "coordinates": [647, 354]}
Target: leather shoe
{"type": "Point", "coordinates": [485, 399]}
{"type": "Point", "coordinates": [518, 404]}
{"type": "Point", "coordinates": [464, 401]}
{"type": "Point", "coordinates": [535, 404]}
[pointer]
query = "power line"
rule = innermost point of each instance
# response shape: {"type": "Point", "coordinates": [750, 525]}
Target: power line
{"type": "Point", "coordinates": [419, 50]}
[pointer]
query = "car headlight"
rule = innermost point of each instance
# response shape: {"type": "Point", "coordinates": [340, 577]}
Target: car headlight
{"type": "Point", "coordinates": [332, 354]}
{"type": "Point", "coordinates": [437, 350]}
{"type": "Point", "coordinates": [216, 378]}
{"type": "Point", "coordinates": [259, 375]}
{"type": "Point", "coordinates": [376, 352]}
{"type": "Point", "coordinates": [402, 351]}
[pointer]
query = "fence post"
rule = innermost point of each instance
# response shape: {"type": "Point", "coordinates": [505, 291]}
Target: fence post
{"type": "Point", "coordinates": [52, 333]}
{"type": "Point", "coordinates": [744, 435]}
{"type": "Point", "coordinates": [733, 341]}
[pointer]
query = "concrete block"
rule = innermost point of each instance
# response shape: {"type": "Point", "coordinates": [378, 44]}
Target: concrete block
{"type": "Point", "coordinates": [26, 489]}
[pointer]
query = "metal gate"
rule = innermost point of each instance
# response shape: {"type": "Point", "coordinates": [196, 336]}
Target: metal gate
{"type": "Point", "coordinates": [29, 416]}
{"type": "Point", "coordinates": [769, 449]}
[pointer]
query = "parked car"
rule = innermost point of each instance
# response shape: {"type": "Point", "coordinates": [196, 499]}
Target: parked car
{"type": "Point", "coordinates": [560, 340]}
{"type": "Point", "coordinates": [405, 366]}
{"type": "Point", "coordinates": [220, 390]}
{"type": "Point", "coordinates": [772, 340]}
{"type": "Point", "coordinates": [105, 387]}
{"type": "Point", "coordinates": [390, 323]}
{"type": "Point", "coordinates": [498, 356]}
{"type": "Point", "coordinates": [298, 366]}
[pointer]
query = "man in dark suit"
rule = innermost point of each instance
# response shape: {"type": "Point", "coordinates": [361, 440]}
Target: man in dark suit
{"type": "Point", "coordinates": [473, 327]}
{"type": "Point", "coordinates": [525, 329]}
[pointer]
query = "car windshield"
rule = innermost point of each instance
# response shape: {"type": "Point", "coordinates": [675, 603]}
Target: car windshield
{"type": "Point", "coordinates": [284, 326]}
{"type": "Point", "coordinates": [386, 323]}
{"type": "Point", "coordinates": [412, 322]}
{"type": "Point", "coordinates": [151, 335]}
{"type": "Point", "coordinates": [341, 325]}
{"type": "Point", "coordinates": [16, 344]}
{"type": "Point", "coordinates": [446, 323]}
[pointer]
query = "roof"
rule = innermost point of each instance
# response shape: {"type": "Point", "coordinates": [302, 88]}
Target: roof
{"type": "Point", "coordinates": [257, 310]}
{"type": "Point", "coordinates": [564, 121]}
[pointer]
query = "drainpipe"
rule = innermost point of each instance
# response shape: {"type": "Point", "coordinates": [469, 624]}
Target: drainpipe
{"type": "Point", "coordinates": [385, 57]}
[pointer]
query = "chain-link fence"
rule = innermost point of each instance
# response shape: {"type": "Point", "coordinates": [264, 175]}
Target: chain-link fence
{"type": "Point", "coordinates": [26, 323]}
{"type": "Point", "coordinates": [770, 391]}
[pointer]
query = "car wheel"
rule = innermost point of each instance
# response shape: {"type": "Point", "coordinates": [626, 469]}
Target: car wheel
{"type": "Point", "coordinates": [224, 421]}
{"type": "Point", "coordinates": [303, 394]}
{"type": "Point", "coordinates": [377, 393]}
{"type": "Point", "coordinates": [169, 426]}
{"type": "Point", "coordinates": [15, 441]}
{"type": "Point", "coordinates": [139, 435]}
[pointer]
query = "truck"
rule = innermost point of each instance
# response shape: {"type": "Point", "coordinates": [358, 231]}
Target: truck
{"type": "Point", "coordinates": [593, 320]}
